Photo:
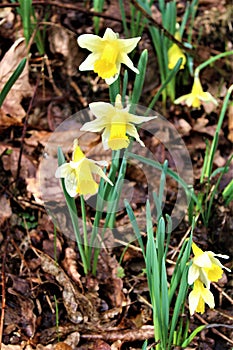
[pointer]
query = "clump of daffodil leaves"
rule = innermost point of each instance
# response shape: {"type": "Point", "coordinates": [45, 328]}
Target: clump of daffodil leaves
{"type": "Point", "coordinates": [117, 125]}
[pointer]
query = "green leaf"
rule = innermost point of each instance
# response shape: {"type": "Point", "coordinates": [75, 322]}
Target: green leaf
{"type": "Point", "coordinates": [139, 79]}
{"type": "Point", "coordinates": [12, 80]}
{"type": "Point", "coordinates": [192, 335]}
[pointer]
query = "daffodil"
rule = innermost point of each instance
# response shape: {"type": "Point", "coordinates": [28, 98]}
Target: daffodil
{"type": "Point", "coordinates": [78, 173]}
{"type": "Point", "coordinates": [198, 297]}
{"type": "Point", "coordinates": [197, 96]}
{"type": "Point", "coordinates": [205, 267]}
{"type": "Point", "coordinates": [107, 54]}
{"type": "Point", "coordinates": [116, 122]}
{"type": "Point", "coordinates": [175, 53]}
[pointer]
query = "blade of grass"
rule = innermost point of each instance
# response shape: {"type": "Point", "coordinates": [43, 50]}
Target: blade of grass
{"type": "Point", "coordinates": [12, 80]}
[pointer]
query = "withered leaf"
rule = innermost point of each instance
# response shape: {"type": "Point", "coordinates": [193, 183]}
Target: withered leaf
{"type": "Point", "coordinates": [77, 305]}
{"type": "Point", "coordinates": [21, 88]}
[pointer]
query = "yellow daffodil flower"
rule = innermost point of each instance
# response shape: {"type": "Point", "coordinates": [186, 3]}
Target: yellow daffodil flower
{"type": "Point", "coordinates": [78, 173]}
{"type": "Point", "coordinates": [205, 267]}
{"type": "Point", "coordinates": [107, 54]}
{"type": "Point", "coordinates": [198, 297]}
{"type": "Point", "coordinates": [175, 53]}
{"type": "Point", "coordinates": [197, 96]}
{"type": "Point", "coordinates": [116, 123]}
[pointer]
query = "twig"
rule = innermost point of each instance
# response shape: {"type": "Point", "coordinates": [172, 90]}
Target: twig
{"type": "Point", "coordinates": [215, 331]}
{"type": "Point", "coordinates": [3, 291]}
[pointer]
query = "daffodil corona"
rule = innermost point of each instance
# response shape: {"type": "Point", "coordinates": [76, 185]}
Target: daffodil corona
{"type": "Point", "coordinates": [175, 53]}
{"type": "Point", "coordinates": [197, 96]}
{"type": "Point", "coordinates": [116, 122]}
{"type": "Point", "coordinates": [78, 173]}
{"type": "Point", "coordinates": [107, 54]}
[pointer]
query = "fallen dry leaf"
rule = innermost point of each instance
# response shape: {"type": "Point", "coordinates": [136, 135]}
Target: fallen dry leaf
{"type": "Point", "coordinates": [5, 209]}
{"type": "Point", "coordinates": [21, 88]}
{"type": "Point", "coordinates": [77, 305]}
{"type": "Point", "coordinates": [63, 42]}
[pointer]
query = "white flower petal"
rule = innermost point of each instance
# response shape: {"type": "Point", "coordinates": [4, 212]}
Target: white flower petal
{"type": "Point", "coordinates": [90, 42]}
{"type": "Point", "coordinates": [132, 131]}
{"type": "Point", "coordinates": [111, 80]}
{"type": "Point", "coordinates": [97, 170]}
{"type": "Point", "coordinates": [218, 263]}
{"type": "Point", "coordinates": [102, 110]}
{"type": "Point", "coordinates": [101, 162]}
{"type": "Point", "coordinates": [182, 98]}
{"type": "Point", "coordinates": [128, 45]}
{"type": "Point", "coordinates": [193, 274]}
{"type": "Point", "coordinates": [110, 35]}
{"type": "Point", "coordinates": [105, 137]}
{"type": "Point", "coordinates": [137, 119]}
{"type": "Point", "coordinates": [71, 184]}
{"type": "Point", "coordinates": [193, 301]}
{"type": "Point", "coordinates": [62, 170]}
{"type": "Point", "coordinates": [127, 61]}
{"type": "Point", "coordinates": [202, 260]}
{"type": "Point", "coordinates": [208, 297]}
{"type": "Point", "coordinates": [95, 125]}
{"type": "Point", "coordinates": [88, 64]}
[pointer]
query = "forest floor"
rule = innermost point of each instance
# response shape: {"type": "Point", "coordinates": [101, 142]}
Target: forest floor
{"type": "Point", "coordinates": [47, 302]}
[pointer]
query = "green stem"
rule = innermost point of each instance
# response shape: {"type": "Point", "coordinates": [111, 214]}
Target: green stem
{"type": "Point", "coordinates": [211, 60]}
{"type": "Point", "coordinates": [216, 135]}
{"type": "Point", "coordinates": [84, 220]}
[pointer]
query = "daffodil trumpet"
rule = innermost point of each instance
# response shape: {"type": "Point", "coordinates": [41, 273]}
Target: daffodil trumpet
{"type": "Point", "coordinates": [116, 122]}
{"type": "Point", "coordinates": [107, 54]}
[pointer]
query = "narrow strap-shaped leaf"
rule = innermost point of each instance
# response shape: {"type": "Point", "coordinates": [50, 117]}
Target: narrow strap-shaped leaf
{"type": "Point", "coordinates": [12, 80]}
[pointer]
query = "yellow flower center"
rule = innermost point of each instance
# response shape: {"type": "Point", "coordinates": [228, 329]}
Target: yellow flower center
{"type": "Point", "coordinates": [86, 183]}
{"type": "Point", "coordinates": [118, 138]}
{"type": "Point", "coordinates": [106, 67]}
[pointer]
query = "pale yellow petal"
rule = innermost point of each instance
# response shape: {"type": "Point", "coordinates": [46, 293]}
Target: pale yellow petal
{"type": "Point", "coordinates": [94, 126]}
{"type": "Point", "coordinates": [202, 260]}
{"type": "Point", "coordinates": [71, 184]}
{"type": "Point", "coordinates": [124, 58]}
{"type": "Point", "coordinates": [193, 300]}
{"type": "Point", "coordinates": [132, 131]}
{"type": "Point", "coordinates": [208, 297]}
{"type": "Point", "coordinates": [90, 42]}
{"type": "Point", "coordinates": [110, 35]}
{"type": "Point", "coordinates": [193, 274]}
{"type": "Point", "coordinates": [62, 170]}
{"type": "Point", "coordinates": [137, 119]}
{"type": "Point", "coordinates": [105, 137]}
{"type": "Point", "coordinates": [102, 110]}
{"type": "Point", "coordinates": [181, 99]}
{"type": "Point", "coordinates": [88, 63]}
{"type": "Point", "coordinates": [128, 45]}
{"type": "Point", "coordinates": [97, 170]}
